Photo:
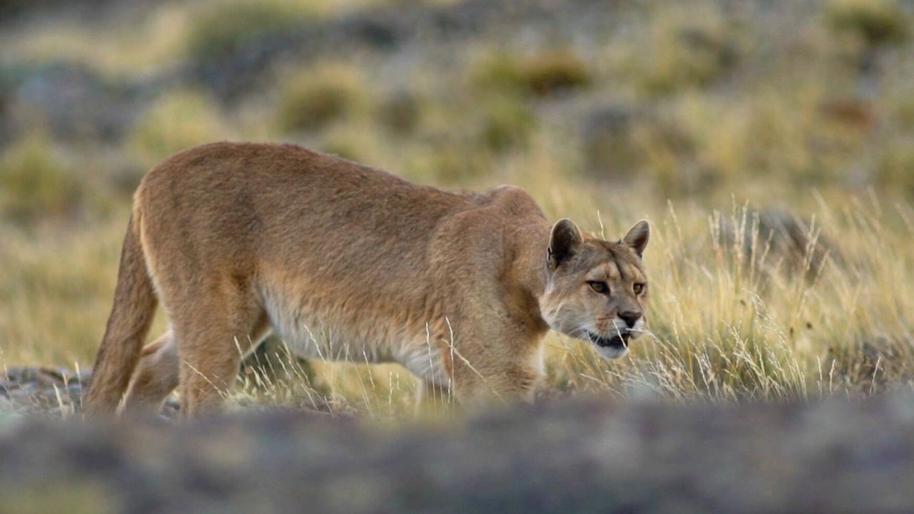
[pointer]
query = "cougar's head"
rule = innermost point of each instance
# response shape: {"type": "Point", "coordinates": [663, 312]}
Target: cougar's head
{"type": "Point", "coordinates": [596, 289]}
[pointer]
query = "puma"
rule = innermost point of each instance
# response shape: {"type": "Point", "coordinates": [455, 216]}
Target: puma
{"type": "Point", "coordinates": [343, 261]}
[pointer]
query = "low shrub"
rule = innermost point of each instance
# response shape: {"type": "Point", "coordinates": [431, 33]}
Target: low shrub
{"type": "Point", "coordinates": [313, 98]}
{"type": "Point", "coordinates": [876, 22]}
{"type": "Point", "coordinates": [222, 29]}
{"type": "Point", "coordinates": [401, 112]}
{"type": "Point", "coordinates": [507, 123]}
{"type": "Point", "coordinates": [894, 166]}
{"type": "Point", "coordinates": [682, 51]}
{"type": "Point", "coordinates": [35, 182]}
{"type": "Point", "coordinates": [177, 120]}
{"type": "Point", "coordinates": [540, 74]}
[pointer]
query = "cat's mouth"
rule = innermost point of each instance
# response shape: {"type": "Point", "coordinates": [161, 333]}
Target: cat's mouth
{"type": "Point", "coordinates": [616, 342]}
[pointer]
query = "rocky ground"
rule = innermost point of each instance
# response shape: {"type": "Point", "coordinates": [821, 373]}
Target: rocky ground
{"type": "Point", "coordinates": [48, 392]}
{"type": "Point", "coordinates": [573, 455]}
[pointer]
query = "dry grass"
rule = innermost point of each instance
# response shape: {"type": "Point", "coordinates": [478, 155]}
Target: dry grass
{"type": "Point", "coordinates": [35, 181]}
{"type": "Point", "coordinates": [177, 120]}
{"type": "Point", "coordinates": [542, 73]}
{"type": "Point", "coordinates": [875, 22]}
{"type": "Point", "coordinates": [142, 42]}
{"type": "Point", "coordinates": [720, 117]}
{"type": "Point", "coordinates": [317, 96]}
{"type": "Point", "coordinates": [725, 325]}
{"type": "Point", "coordinates": [57, 292]}
{"type": "Point", "coordinates": [685, 46]}
{"type": "Point", "coordinates": [720, 330]}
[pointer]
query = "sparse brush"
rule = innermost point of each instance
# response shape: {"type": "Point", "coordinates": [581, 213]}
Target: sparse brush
{"type": "Point", "coordinates": [319, 95]}
{"type": "Point", "coordinates": [177, 120]}
{"type": "Point", "coordinates": [36, 182]}
{"type": "Point", "coordinates": [767, 135]}
{"type": "Point", "coordinates": [278, 381]}
{"type": "Point", "coordinates": [683, 49]}
{"type": "Point", "coordinates": [621, 143]}
{"type": "Point", "coordinates": [875, 22]}
{"type": "Point", "coordinates": [355, 141]}
{"type": "Point", "coordinates": [539, 74]}
{"type": "Point", "coordinates": [271, 377]}
{"type": "Point", "coordinates": [222, 28]}
{"type": "Point", "coordinates": [894, 166]}
{"type": "Point", "coordinates": [57, 292]}
{"type": "Point", "coordinates": [507, 123]}
{"type": "Point", "coordinates": [451, 160]}
{"type": "Point", "coordinates": [401, 112]}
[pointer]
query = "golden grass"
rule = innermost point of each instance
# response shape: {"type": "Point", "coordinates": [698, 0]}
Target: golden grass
{"type": "Point", "coordinates": [542, 73]}
{"type": "Point", "coordinates": [177, 120]}
{"type": "Point", "coordinates": [726, 131]}
{"type": "Point", "coordinates": [720, 330]}
{"type": "Point", "coordinates": [57, 289]}
{"type": "Point", "coordinates": [319, 95]}
{"type": "Point", "coordinates": [685, 46]}
{"type": "Point", "coordinates": [876, 22]}
{"type": "Point", "coordinates": [137, 44]}
{"type": "Point", "coordinates": [36, 182]}
{"type": "Point", "coordinates": [217, 30]}
{"type": "Point", "coordinates": [142, 39]}
{"type": "Point", "coordinates": [723, 329]}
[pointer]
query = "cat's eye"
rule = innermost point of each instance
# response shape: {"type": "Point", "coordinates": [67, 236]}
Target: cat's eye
{"type": "Point", "coordinates": [598, 287]}
{"type": "Point", "coordinates": [638, 288]}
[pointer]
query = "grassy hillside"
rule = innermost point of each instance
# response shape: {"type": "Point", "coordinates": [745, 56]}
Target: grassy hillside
{"type": "Point", "coordinates": [771, 144]}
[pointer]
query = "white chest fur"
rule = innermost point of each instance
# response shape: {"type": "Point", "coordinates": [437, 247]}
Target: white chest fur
{"type": "Point", "coordinates": [318, 336]}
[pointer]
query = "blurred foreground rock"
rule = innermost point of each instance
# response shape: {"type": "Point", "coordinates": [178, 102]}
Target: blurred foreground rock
{"type": "Point", "coordinates": [578, 455]}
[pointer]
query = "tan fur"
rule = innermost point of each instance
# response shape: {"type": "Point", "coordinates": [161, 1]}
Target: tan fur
{"type": "Point", "coordinates": [346, 262]}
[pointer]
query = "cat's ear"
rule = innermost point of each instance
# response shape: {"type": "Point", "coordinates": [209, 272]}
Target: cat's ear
{"type": "Point", "coordinates": [564, 242]}
{"type": "Point", "coordinates": [638, 236]}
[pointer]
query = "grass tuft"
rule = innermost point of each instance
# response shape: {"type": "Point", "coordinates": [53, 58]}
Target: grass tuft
{"type": "Point", "coordinates": [36, 182]}
{"type": "Point", "coordinates": [540, 74]}
{"type": "Point", "coordinates": [177, 120]}
{"type": "Point", "coordinates": [315, 97]}
{"type": "Point", "coordinates": [875, 22]}
{"type": "Point", "coordinates": [683, 50]}
{"type": "Point", "coordinates": [230, 26]}
{"type": "Point", "coordinates": [508, 122]}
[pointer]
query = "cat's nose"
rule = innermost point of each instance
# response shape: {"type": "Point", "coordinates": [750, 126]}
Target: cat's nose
{"type": "Point", "coordinates": [630, 317]}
